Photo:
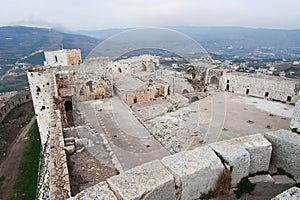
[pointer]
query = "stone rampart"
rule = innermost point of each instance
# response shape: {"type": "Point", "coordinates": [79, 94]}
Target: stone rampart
{"type": "Point", "coordinates": [8, 101]}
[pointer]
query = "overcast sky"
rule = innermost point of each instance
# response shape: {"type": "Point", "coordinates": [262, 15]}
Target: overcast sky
{"type": "Point", "coordinates": [102, 14]}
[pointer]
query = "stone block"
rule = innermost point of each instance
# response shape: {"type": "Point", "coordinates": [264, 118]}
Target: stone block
{"type": "Point", "coordinates": [286, 151]}
{"type": "Point", "coordinates": [70, 149]}
{"type": "Point", "coordinates": [99, 191]}
{"type": "Point", "coordinates": [195, 171]}
{"type": "Point", "coordinates": [260, 151]}
{"type": "Point", "coordinates": [149, 181]}
{"type": "Point", "coordinates": [237, 158]}
{"type": "Point", "coordinates": [66, 92]}
{"type": "Point", "coordinates": [81, 142]}
{"type": "Point", "coordinates": [290, 194]}
{"type": "Point", "coordinates": [295, 122]}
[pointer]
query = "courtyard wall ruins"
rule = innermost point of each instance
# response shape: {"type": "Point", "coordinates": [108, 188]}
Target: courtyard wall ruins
{"type": "Point", "coordinates": [8, 101]}
{"type": "Point", "coordinates": [185, 175]}
{"type": "Point", "coordinates": [269, 87]}
{"type": "Point", "coordinates": [63, 57]}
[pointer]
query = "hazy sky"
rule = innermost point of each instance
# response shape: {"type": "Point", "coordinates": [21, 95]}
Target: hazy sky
{"type": "Point", "coordinates": [101, 14]}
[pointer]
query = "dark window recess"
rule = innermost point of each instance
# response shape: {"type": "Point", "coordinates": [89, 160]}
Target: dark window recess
{"type": "Point", "coordinates": [289, 99]}
{"type": "Point", "coordinates": [266, 94]}
{"type": "Point", "coordinates": [68, 106]}
{"type": "Point", "coordinates": [90, 85]}
{"type": "Point", "coordinates": [247, 91]}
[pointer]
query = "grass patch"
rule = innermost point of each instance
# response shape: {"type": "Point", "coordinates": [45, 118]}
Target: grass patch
{"type": "Point", "coordinates": [244, 187]}
{"type": "Point", "coordinates": [295, 130]}
{"type": "Point", "coordinates": [26, 184]}
{"type": "Point", "coordinates": [2, 178]}
{"type": "Point", "coordinates": [223, 186]}
{"type": "Point", "coordinates": [281, 171]}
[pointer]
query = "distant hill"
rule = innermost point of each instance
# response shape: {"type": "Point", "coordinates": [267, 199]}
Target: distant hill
{"type": "Point", "coordinates": [18, 41]}
{"type": "Point", "coordinates": [234, 42]}
{"type": "Point", "coordinates": [26, 45]}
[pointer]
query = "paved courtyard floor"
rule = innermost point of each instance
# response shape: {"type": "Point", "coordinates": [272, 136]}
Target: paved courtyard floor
{"type": "Point", "coordinates": [130, 141]}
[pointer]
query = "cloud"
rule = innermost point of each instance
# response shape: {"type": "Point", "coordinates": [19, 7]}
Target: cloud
{"type": "Point", "coordinates": [97, 14]}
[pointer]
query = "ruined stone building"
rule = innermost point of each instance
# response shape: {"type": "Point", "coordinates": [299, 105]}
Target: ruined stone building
{"type": "Point", "coordinates": [63, 57]}
{"type": "Point", "coordinates": [273, 88]}
{"type": "Point", "coordinates": [103, 106]}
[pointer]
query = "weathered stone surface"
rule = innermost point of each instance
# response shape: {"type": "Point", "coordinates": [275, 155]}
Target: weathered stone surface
{"type": "Point", "coordinates": [295, 122]}
{"type": "Point", "coordinates": [286, 151]}
{"type": "Point", "coordinates": [99, 191]}
{"type": "Point", "coordinates": [195, 171]}
{"type": "Point", "coordinates": [237, 158]}
{"type": "Point", "coordinates": [81, 142]}
{"type": "Point", "coordinates": [70, 149]}
{"type": "Point", "coordinates": [283, 180]}
{"type": "Point", "coordinates": [261, 179]}
{"type": "Point", "coordinates": [260, 151]}
{"type": "Point", "coordinates": [149, 181]}
{"type": "Point", "coordinates": [290, 194]}
{"type": "Point", "coordinates": [245, 155]}
{"type": "Point", "coordinates": [66, 92]}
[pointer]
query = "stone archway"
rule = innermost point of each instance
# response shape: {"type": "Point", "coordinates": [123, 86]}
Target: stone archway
{"type": "Point", "coordinates": [214, 81]}
{"type": "Point", "coordinates": [194, 99]}
{"type": "Point", "coordinates": [185, 91]}
{"type": "Point", "coordinates": [68, 106]}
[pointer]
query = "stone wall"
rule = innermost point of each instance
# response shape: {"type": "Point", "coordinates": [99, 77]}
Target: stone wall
{"type": "Point", "coordinates": [213, 76]}
{"type": "Point", "coordinates": [143, 63]}
{"type": "Point", "coordinates": [143, 95]}
{"type": "Point", "coordinates": [189, 174]}
{"type": "Point", "coordinates": [263, 86]}
{"type": "Point", "coordinates": [10, 101]}
{"type": "Point", "coordinates": [53, 182]}
{"type": "Point", "coordinates": [63, 57]}
{"type": "Point", "coordinates": [83, 86]}
{"type": "Point", "coordinates": [177, 83]}
{"type": "Point", "coordinates": [40, 88]}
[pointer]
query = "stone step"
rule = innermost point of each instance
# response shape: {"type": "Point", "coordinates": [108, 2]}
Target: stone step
{"type": "Point", "coordinates": [267, 186]}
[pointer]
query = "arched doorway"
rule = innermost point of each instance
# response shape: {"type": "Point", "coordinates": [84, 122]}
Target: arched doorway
{"type": "Point", "coordinates": [169, 90]}
{"type": "Point", "coordinates": [135, 100]}
{"type": "Point", "coordinates": [68, 106]}
{"type": "Point", "coordinates": [194, 99]}
{"type": "Point", "coordinates": [185, 91]}
{"type": "Point", "coordinates": [215, 81]}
